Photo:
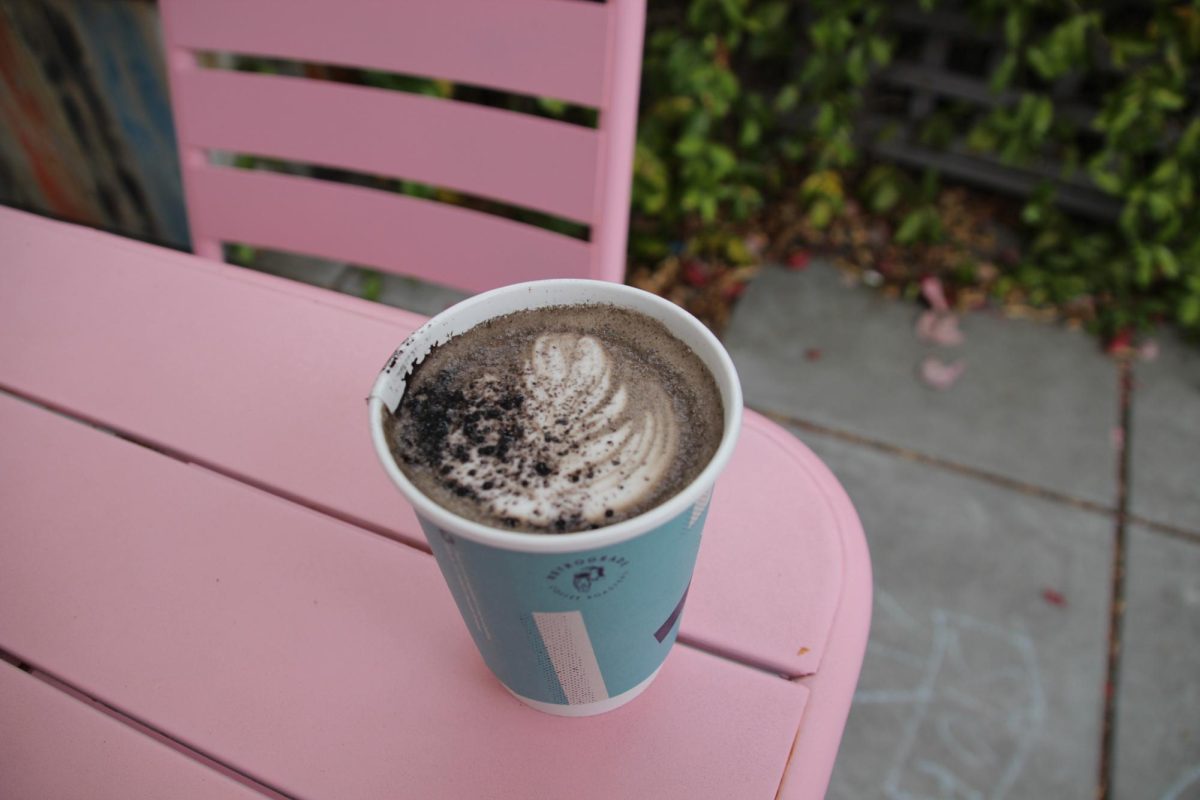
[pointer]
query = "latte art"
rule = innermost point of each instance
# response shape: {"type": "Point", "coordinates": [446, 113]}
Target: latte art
{"type": "Point", "coordinates": [557, 420]}
{"type": "Point", "coordinates": [600, 451]}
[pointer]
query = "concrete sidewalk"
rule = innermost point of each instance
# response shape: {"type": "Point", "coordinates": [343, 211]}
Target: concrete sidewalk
{"type": "Point", "coordinates": [996, 511]}
{"type": "Point", "coordinates": [995, 515]}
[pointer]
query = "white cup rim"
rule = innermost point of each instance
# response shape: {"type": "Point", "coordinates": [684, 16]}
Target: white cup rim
{"type": "Point", "coordinates": [677, 320]}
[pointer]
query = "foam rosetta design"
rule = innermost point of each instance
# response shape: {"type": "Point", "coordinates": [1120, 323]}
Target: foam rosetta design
{"type": "Point", "coordinates": [591, 442]}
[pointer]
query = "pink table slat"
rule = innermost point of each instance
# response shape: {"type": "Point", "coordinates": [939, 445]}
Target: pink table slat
{"type": "Point", "coordinates": [217, 339]}
{"type": "Point", "coordinates": [833, 685]}
{"type": "Point", "coordinates": [54, 746]}
{"type": "Point", "coordinates": [317, 658]}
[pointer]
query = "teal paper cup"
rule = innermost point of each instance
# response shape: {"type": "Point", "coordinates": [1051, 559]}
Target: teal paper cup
{"type": "Point", "coordinates": [572, 624]}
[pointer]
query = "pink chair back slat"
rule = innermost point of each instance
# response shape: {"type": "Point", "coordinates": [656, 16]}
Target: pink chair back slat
{"type": "Point", "coordinates": [618, 127]}
{"type": "Point", "coordinates": [550, 48]}
{"type": "Point", "coordinates": [581, 52]}
{"type": "Point", "coordinates": [528, 161]}
{"type": "Point", "coordinates": [405, 235]}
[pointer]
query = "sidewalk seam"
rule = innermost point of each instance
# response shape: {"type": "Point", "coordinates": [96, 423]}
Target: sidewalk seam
{"type": "Point", "coordinates": [1116, 612]}
{"type": "Point", "coordinates": [1164, 529]}
{"type": "Point", "coordinates": [1156, 527]}
{"type": "Point", "coordinates": [949, 465]}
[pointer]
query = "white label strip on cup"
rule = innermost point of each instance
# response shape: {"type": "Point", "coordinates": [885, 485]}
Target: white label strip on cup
{"type": "Point", "coordinates": [569, 648]}
{"type": "Point", "coordinates": [698, 507]}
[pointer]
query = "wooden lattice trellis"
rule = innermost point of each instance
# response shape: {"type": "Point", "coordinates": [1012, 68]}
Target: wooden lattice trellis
{"type": "Point", "coordinates": [944, 59]}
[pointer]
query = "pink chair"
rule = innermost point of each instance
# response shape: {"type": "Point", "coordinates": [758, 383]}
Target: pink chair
{"type": "Point", "coordinates": [588, 54]}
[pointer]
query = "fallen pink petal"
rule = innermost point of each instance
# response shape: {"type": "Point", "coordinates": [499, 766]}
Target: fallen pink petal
{"type": "Point", "coordinates": [1054, 598]}
{"type": "Point", "coordinates": [734, 290]}
{"type": "Point", "coordinates": [1148, 350]}
{"type": "Point", "coordinates": [756, 243]}
{"type": "Point", "coordinates": [696, 273]}
{"type": "Point", "coordinates": [1121, 343]}
{"type": "Point", "coordinates": [798, 260]}
{"type": "Point", "coordinates": [939, 328]}
{"type": "Point", "coordinates": [940, 375]}
{"type": "Point", "coordinates": [934, 294]}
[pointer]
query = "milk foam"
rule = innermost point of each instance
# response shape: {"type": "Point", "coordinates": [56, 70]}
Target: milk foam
{"type": "Point", "coordinates": [605, 453]}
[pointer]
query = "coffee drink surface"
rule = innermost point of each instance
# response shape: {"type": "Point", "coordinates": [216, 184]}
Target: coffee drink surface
{"type": "Point", "coordinates": [557, 419]}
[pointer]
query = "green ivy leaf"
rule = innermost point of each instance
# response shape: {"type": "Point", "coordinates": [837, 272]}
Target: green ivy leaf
{"type": "Point", "coordinates": [820, 214]}
{"type": "Point", "coordinates": [1189, 310]}
{"type": "Point", "coordinates": [1003, 74]}
{"type": "Point", "coordinates": [885, 197]}
{"type": "Point", "coordinates": [722, 159]}
{"type": "Point", "coordinates": [1014, 26]}
{"type": "Point", "coordinates": [653, 203]}
{"type": "Point", "coordinates": [1032, 213]}
{"type": "Point", "coordinates": [1043, 115]}
{"type": "Point", "coordinates": [1165, 172]}
{"type": "Point", "coordinates": [856, 66]}
{"type": "Point", "coordinates": [880, 49]}
{"type": "Point", "coordinates": [244, 254]}
{"type": "Point", "coordinates": [1040, 62]}
{"type": "Point", "coordinates": [1189, 140]}
{"type": "Point", "coordinates": [1160, 206]}
{"type": "Point", "coordinates": [733, 11]}
{"type": "Point", "coordinates": [910, 228]}
{"type": "Point", "coordinates": [372, 286]}
{"type": "Point", "coordinates": [1108, 181]}
{"type": "Point", "coordinates": [1166, 99]}
{"type": "Point", "coordinates": [689, 146]}
{"type": "Point", "coordinates": [751, 132]}
{"type": "Point", "coordinates": [555, 108]}
{"type": "Point", "coordinates": [1166, 261]}
{"type": "Point", "coordinates": [826, 121]}
{"type": "Point", "coordinates": [981, 139]}
{"type": "Point", "coordinates": [1185, 193]}
{"type": "Point", "coordinates": [1143, 271]}
{"type": "Point", "coordinates": [787, 98]}
{"type": "Point", "coordinates": [773, 15]}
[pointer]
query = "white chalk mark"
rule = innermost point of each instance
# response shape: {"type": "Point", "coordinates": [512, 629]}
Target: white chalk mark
{"type": "Point", "coordinates": [965, 741]}
{"type": "Point", "coordinates": [968, 700]}
{"type": "Point", "coordinates": [895, 654]}
{"type": "Point", "coordinates": [888, 603]}
{"type": "Point", "coordinates": [960, 674]}
{"type": "Point", "coordinates": [1189, 779]}
{"type": "Point", "coordinates": [1025, 730]}
{"type": "Point", "coordinates": [948, 783]}
{"type": "Point", "coordinates": [891, 784]}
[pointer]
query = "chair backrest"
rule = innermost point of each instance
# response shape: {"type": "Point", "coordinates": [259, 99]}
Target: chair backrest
{"type": "Point", "coordinates": [582, 53]}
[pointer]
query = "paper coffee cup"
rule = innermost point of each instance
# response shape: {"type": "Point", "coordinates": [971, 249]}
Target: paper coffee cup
{"type": "Point", "coordinates": [580, 623]}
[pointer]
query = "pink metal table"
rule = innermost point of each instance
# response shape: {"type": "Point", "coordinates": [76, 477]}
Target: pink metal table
{"type": "Point", "coordinates": [209, 589]}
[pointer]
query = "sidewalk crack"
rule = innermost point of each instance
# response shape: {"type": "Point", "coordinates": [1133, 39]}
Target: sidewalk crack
{"type": "Point", "coordinates": [1116, 609]}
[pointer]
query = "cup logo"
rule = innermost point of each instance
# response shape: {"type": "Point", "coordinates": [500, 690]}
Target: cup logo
{"type": "Point", "coordinates": [584, 580]}
{"type": "Point", "coordinates": [587, 578]}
